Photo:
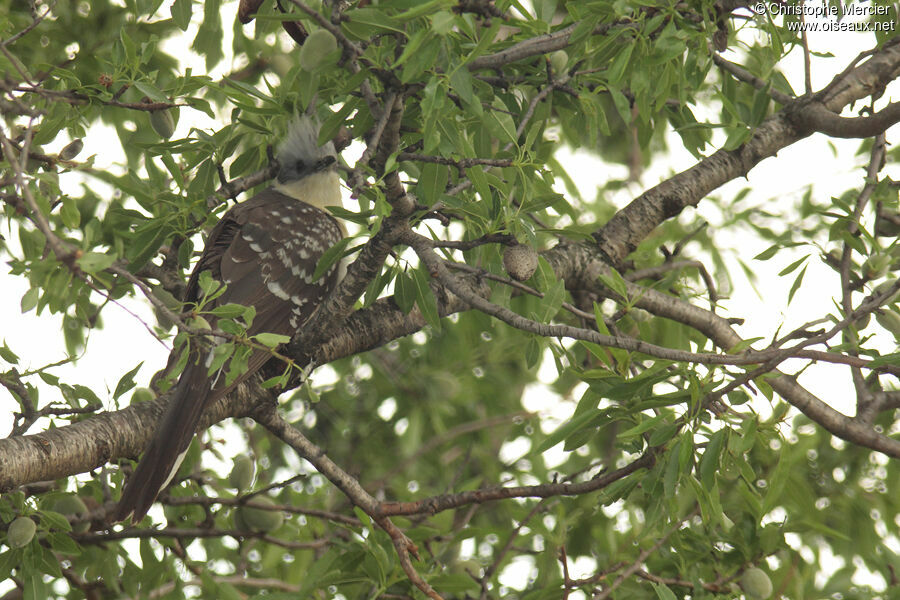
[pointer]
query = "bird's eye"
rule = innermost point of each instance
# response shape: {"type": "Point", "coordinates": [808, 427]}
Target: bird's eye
{"type": "Point", "coordinates": [301, 166]}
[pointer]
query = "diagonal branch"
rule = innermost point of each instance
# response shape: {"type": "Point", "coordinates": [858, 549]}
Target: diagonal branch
{"type": "Point", "coordinates": [268, 417]}
{"type": "Point", "coordinates": [632, 224]}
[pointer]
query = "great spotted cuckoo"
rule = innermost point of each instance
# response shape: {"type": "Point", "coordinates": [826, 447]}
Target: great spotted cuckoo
{"type": "Point", "coordinates": [265, 251]}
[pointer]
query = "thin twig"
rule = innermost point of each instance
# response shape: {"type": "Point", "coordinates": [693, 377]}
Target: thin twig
{"type": "Point", "coordinates": [34, 23]}
{"type": "Point", "coordinates": [636, 565]}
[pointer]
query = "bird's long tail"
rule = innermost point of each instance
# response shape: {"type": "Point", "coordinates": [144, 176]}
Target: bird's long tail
{"type": "Point", "coordinates": [166, 450]}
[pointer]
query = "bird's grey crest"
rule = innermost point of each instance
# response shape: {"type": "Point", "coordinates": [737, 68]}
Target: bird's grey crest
{"type": "Point", "coordinates": [299, 153]}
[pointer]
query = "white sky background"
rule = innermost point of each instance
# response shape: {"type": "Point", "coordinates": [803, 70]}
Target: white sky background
{"type": "Point", "coordinates": [124, 340]}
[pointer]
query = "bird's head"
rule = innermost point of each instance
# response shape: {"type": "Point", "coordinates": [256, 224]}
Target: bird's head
{"type": "Point", "coordinates": [299, 154]}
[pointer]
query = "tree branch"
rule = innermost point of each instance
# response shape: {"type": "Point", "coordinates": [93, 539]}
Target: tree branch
{"type": "Point", "coordinates": [632, 224]}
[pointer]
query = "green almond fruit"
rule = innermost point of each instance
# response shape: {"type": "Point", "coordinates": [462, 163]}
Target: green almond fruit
{"type": "Point", "coordinates": [640, 315]}
{"type": "Point", "coordinates": [885, 286]}
{"type": "Point", "coordinates": [199, 322]}
{"type": "Point", "coordinates": [756, 584]}
{"type": "Point", "coordinates": [241, 475]}
{"type": "Point", "coordinates": [260, 519]}
{"type": "Point", "coordinates": [559, 60]}
{"type": "Point", "coordinates": [316, 48]}
{"type": "Point", "coordinates": [20, 532]}
{"type": "Point", "coordinates": [238, 518]}
{"type": "Point", "coordinates": [73, 508]}
{"type": "Point", "coordinates": [171, 302]}
{"type": "Point", "coordinates": [142, 394]}
{"type": "Point", "coordinates": [163, 123]}
{"type": "Point", "coordinates": [890, 320]}
{"type": "Point", "coordinates": [877, 265]}
{"type": "Point", "coordinates": [863, 322]}
{"type": "Point", "coordinates": [281, 64]}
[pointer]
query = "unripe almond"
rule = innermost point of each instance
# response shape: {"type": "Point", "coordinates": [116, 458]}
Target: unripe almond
{"type": "Point", "coordinates": [281, 64]}
{"type": "Point", "coordinates": [640, 315]}
{"type": "Point", "coordinates": [890, 320]}
{"type": "Point", "coordinates": [170, 301]}
{"type": "Point", "coordinates": [73, 508]}
{"type": "Point", "coordinates": [163, 123]}
{"type": "Point", "coordinates": [20, 532]}
{"type": "Point", "coordinates": [316, 48]}
{"type": "Point", "coordinates": [885, 286]}
{"type": "Point", "coordinates": [559, 60]}
{"type": "Point", "coordinates": [199, 322]}
{"type": "Point", "coordinates": [241, 475]}
{"type": "Point", "coordinates": [877, 265]}
{"type": "Point", "coordinates": [142, 394]}
{"type": "Point", "coordinates": [756, 584]}
{"type": "Point", "coordinates": [520, 261]}
{"type": "Point", "coordinates": [259, 519]}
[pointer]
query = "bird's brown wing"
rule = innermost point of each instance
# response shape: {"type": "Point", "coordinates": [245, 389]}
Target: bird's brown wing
{"type": "Point", "coordinates": [265, 250]}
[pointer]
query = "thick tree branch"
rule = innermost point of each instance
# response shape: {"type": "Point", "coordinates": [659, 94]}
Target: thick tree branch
{"type": "Point", "coordinates": [818, 118]}
{"type": "Point", "coordinates": [91, 443]}
{"type": "Point", "coordinates": [582, 267]}
{"type": "Point", "coordinates": [632, 224]}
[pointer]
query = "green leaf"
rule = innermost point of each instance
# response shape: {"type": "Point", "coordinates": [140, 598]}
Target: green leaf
{"type": "Point", "coordinates": [793, 266]}
{"type": "Point", "coordinates": [776, 483]}
{"type": "Point", "coordinates": [619, 65]}
{"type": "Point", "coordinates": [709, 463]}
{"type": "Point", "coordinates": [126, 382]}
{"type": "Point", "coordinates": [147, 240]}
{"type": "Point", "coordinates": [796, 285]}
{"type": "Point", "coordinates": [578, 422]}
{"type": "Point", "coordinates": [271, 340]}
{"type": "Point", "coordinates": [230, 311]}
{"type": "Point", "coordinates": [736, 137]}
{"type": "Point", "coordinates": [663, 592]}
{"type": "Point", "coordinates": [404, 292]}
{"type": "Point", "coordinates": [768, 253]}
{"type": "Point", "coordinates": [458, 584]}
{"type": "Point", "coordinates": [615, 283]}
{"type": "Point", "coordinates": [8, 355]}
{"type": "Point", "coordinates": [501, 122]}
{"type": "Point", "coordinates": [425, 299]}
{"type": "Point", "coordinates": [278, 380]}
{"type": "Point", "coordinates": [92, 262]}
{"type": "Point", "coordinates": [412, 47]}
{"type": "Point", "coordinates": [432, 182]}
{"type": "Point", "coordinates": [644, 425]}
{"type": "Point", "coordinates": [30, 299]}
{"type": "Point", "coordinates": [151, 91]}
{"type": "Point", "coordinates": [552, 301]}
{"type": "Point", "coordinates": [620, 489]}
{"type": "Point", "coordinates": [533, 350]}
{"type": "Point", "coordinates": [221, 353]}
{"type": "Point", "coordinates": [364, 22]}
{"type": "Point", "coordinates": [329, 258]}
{"type": "Point", "coordinates": [422, 9]}
{"type": "Point", "coordinates": [663, 434]}
{"type": "Point", "coordinates": [181, 13]}
{"type": "Point", "coordinates": [71, 218]}
{"type": "Point", "coordinates": [461, 81]}
{"type": "Point", "coordinates": [622, 104]}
